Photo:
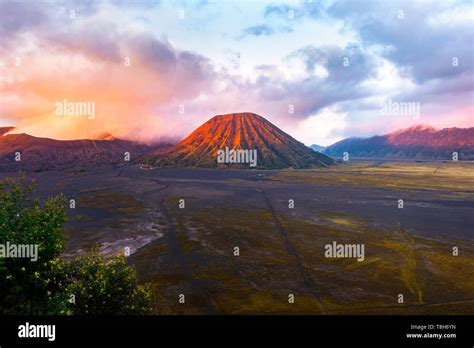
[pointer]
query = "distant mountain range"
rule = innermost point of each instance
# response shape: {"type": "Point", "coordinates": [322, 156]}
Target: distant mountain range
{"type": "Point", "coordinates": [46, 154]}
{"type": "Point", "coordinates": [318, 148]}
{"type": "Point", "coordinates": [275, 149]}
{"type": "Point", "coordinates": [417, 142]}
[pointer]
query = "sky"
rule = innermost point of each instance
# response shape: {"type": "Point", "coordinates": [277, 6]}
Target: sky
{"type": "Point", "coordinates": [155, 70]}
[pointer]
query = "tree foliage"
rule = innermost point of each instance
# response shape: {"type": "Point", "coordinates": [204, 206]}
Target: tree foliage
{"type": "Point", "coordinates": [46, 286]}
{"type": "Point", "coordinates": [107, 288]}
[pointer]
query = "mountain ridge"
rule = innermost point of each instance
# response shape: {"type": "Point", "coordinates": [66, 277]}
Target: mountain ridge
{"type": "Point", "coordinates": [240, 131]}
{"type": "Point", "coordinates": [417, 142]}
{"type": "Point", "coordinates": [5, 130]}
{"type": "Point", "coordinates": [39, 154]}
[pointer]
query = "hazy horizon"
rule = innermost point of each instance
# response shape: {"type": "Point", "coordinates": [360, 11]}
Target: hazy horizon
{"type": "Point", "coordinates": [175, 140]}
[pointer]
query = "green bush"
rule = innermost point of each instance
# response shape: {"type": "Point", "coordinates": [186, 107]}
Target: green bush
{"type": "Point", "coordinates": [107, 288]}
{"type": "Point", "coordinates": [45, 286]}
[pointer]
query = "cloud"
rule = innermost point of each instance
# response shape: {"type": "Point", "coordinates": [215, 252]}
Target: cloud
{"type": "Point", "coordinates": [420, 41]}
{"type": "Point", "coordinates": [141, 4]}
{"type": "Point", "coordinates": [84, 59]}
{"type": "Point", "coordinates": [86, 62]}
{"type": "Point", "coordinates": [309, 8]}
{"type": "Point", "coordinates": [327, 126]}
{"type": "Point", "coordinates": [264, 30]}
{"type": "Point", "coordinates": [412, 38]}
{"type": "Point", "coordinates": [349, 65]}
{"type": "Point", "coordinates": [277, 10]}
{"type": "Point", "coordinates": [17, 18]}
{"type": "Point", "coordinates": [96, 41]}
{"type": "Point", "coordinates": [314, 91]}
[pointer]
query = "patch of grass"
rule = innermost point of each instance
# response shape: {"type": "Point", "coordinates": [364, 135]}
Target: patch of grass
{"type": "Point", "coordinates": [451, 177]}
